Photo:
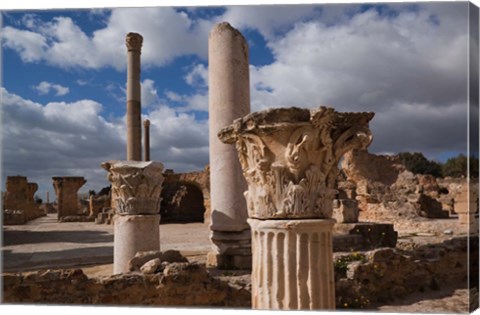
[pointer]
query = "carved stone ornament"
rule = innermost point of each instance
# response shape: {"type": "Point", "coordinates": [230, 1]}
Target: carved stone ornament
{"type": "Point", "coordinates": [136, 186]}
{"type": "Point", "coordinates": [289, 157]}
{"type": "Point", "coordinates": [134, 41]}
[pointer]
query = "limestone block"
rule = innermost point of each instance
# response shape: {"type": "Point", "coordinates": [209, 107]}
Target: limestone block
{"type": "Point", "coordinates": [136, 186]}
{"type": "Point", "coordinates": [292, 264]}
{"type": "Point", "coordinates": [141, 258]}
{"type": "Point", "coordinates": [151, 266]}
{"type": "Point", "coordinates": [466, 200]}
{"type": "Point", "coordinates": [289, 158]}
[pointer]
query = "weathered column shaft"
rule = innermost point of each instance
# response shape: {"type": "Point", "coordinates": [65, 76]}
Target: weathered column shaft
{"type": "Point", "coordinates": [146, 135]}
{"type": "Point", "coordinates": [134, 131]}
{"type": "Point", "coordinates": [292, 264]}
{"type": "Point", "coordinates": [132, 234]}
{"type": "Point", "coordinates": [229, 98]}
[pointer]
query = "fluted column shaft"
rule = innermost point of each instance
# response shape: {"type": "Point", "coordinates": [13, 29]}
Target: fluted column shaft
{"type": "Point", "coordinates": [292, 264]}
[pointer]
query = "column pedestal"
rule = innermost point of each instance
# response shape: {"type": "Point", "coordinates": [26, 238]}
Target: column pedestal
{"type": "Point", "coordinates": [292, 264]}
{"type": "Point", "coordinates": [232, 250]}
{"type": "Point", "coordinates": [132, 234]}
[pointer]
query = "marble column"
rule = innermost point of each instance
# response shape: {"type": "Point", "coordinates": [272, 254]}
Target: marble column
{"type": "Point", "coordinates": [136, 189]}
{"type": "Point", "coordinates": [146, 135]}
{"type": "Point", "coordinates": [229, 99]}
{"type": "Point", "coordinates": [289, 157]}
{"type": "Point", "coordinates": [66, 189]}
{"type": "Point", "coordinates": [134, 132]}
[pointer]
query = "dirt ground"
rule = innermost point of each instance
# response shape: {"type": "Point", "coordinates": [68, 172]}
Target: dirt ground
{"type": "Point", "coordinates": [46, 244]}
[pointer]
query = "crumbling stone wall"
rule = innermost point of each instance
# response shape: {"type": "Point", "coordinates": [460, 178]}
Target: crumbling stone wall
{"type": "Point", "coordinates": [361, 279]}
{"type": "Point", "coordinates": [18, 201]}
{"type": "Point", "coordinates": [385, 274]}
{"type": "Point", "coordinates": [180, 284]}
{"type": "Point", "coordinates": [186, 196]}
{"type": "Point", "coordinates": [362, 167]}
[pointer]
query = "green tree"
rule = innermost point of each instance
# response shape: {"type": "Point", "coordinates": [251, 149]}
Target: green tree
{"type": "Point", "coordinates": [417, 163]}
{"type": "Point", "coordinates": [457, 166]}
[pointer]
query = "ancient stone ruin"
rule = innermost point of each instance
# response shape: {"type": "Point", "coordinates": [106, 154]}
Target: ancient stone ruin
{"type": "Point", "coordinates": [314, 236]}
{"type": "Point", "coordinates": [186, 196]}
{"type": "Point", "coordinates": [66, 189]}
{"type": "Point", "coordinates": [19, 205]}
{"type": "Point", "coordinates": [289, 158]}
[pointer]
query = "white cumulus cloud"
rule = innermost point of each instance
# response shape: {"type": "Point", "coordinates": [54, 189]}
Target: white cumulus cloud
{"type": "Point", "coordinates": [45, 87]}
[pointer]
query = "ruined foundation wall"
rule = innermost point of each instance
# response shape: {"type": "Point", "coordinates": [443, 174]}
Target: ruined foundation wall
{"type": "Point", "coordinates": [381, 275]}
{"type": "Point", "coordinates": [179, 284]}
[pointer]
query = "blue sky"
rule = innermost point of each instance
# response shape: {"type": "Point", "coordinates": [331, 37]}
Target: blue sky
{"type": "Point", "coordinates": [63, 89]}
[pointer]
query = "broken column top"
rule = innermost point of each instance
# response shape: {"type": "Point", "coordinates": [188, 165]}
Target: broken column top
{"type": "Point", "coordinates": [134, 41]}
{"type": "Point", "coordinates": [225, 26]}
{"type": "Point", "coordinates": [146, 123]}
{"type": "Point", "coordinates": [289, 158]}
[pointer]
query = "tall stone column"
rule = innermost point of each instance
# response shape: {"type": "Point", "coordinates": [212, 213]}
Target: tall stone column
{"type": "Point", "coordinates": [229, 99]}
{"type": "Point", "coordinates": [289, 157]}
{"type": "Point", "coordinates": [146, 144]}
{"type": "Point", "coordinates": [136, 189]}
{"type": "Point", "coordinates": [66, 189]}
{"type": "Point", "coordinates": [134, 132]}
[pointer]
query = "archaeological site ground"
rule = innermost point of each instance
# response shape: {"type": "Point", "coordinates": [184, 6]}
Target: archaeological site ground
{"type": "Point", "coordinates": [303, 157]}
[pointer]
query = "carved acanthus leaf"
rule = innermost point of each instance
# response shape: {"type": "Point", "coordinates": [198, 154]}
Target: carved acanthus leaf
{"type": "Point", "coordinates": [289, 159]}
{"type": "Point", "coordinates": [136, 186]}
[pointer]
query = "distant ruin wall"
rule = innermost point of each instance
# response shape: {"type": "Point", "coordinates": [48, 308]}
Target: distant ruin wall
{"type": "Point", "coordinates": [186, 196]}
{"type": "Point", "coordinates": [18, 201]}
{"type": "Point", "coordinates": [360, 166]}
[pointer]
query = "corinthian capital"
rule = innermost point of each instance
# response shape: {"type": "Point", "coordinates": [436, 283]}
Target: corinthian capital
{"type": "Point", "coordinates": [289, 158]}
{"type": "Point", "coordinates": [136, 186]}
{"type": "Point", "coordinates": [134, 41]}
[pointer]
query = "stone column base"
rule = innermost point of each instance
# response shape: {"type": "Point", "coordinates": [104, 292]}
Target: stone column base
{"type": "Point", "coordinates": [132, 234]}
{"type": "Point", "coordinates": [231, 250]}
{"type": "Point", "coordinates": [292, 264]}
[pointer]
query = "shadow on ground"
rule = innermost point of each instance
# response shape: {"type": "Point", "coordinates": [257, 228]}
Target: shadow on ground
{"type": "Point", "coordinates": [35, 237]}
{"type": "Point", "coordinates": [15, 262]}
